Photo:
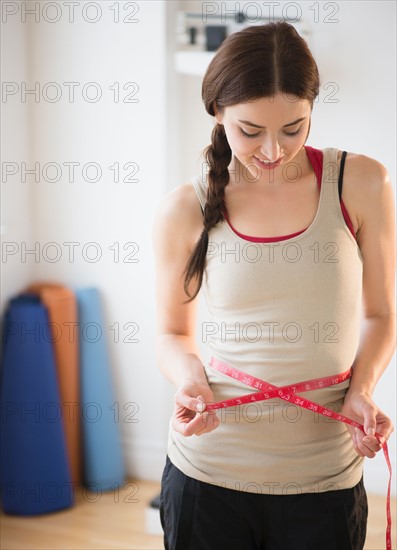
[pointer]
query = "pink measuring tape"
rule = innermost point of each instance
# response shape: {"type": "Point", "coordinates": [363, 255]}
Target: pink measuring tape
{"type": "Point", "coordinates": [289, 393]}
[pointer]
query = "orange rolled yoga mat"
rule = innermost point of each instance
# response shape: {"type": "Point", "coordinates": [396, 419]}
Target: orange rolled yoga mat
{"type": "Point", "coordinates": [64, 332]}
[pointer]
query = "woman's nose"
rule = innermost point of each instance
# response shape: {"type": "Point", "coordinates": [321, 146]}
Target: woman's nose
{"type": "Point", "coordinates": [271, 150]}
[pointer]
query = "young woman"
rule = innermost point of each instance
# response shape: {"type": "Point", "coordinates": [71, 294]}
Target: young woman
{"type": "Point", "coordinates": [293, 248]}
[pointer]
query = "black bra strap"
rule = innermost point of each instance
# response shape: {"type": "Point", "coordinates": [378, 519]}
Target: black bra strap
{"type": "Point", "coordinates": [340, 180]}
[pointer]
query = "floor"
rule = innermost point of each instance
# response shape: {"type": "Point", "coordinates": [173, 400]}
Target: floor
{"type": "Point", "coordinates": [116, 521]}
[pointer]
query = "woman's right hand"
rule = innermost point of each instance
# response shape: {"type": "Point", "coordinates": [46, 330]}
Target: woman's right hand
{"type": "Point", "coordinates": [190, 416]}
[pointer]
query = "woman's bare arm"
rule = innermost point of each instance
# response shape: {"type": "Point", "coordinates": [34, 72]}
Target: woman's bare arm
{"type": "Point", "coordinates": [177, 227]}
{"type": "Point", "coordinates": [370, 197]}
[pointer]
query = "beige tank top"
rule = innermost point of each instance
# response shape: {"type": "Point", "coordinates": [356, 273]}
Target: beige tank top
{"type": "Point", "coordinates": [283, 312]}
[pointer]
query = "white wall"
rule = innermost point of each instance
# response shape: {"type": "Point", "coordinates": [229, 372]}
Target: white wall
{"type": "Point", "coordinates": [105, 212]}
{"type": "Point", "coordinates": [163, 133]}
{"type": "Point", "coordinates": [16, 196]}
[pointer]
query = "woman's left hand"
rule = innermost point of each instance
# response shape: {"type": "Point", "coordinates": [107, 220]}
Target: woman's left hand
{"type": "Point", "coordinates": [360, 407]}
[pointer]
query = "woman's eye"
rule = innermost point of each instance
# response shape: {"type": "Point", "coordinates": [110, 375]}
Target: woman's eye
{"type": "Point", "coordinates": [293, 133]}
{"type": "Point", "coordinates": [249, 135]}
{"type": "Point", "coordinates": [289, 134]}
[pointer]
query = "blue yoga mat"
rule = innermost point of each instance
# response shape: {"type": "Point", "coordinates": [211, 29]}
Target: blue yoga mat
{"type": "Point", "coordinates": [102, 453]}
{"type": "Point", "coordinates": [34, 469]}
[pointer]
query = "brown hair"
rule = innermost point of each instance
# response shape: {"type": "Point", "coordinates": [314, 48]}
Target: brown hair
{"type": "Point", "coordinates": [258, 61]}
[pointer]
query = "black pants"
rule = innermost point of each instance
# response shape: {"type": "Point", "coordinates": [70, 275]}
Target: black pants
{"type": "Point", "coordinates": [202, 516]}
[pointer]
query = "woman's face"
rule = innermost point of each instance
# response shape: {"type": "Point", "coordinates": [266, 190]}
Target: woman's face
{"type": "Point", "coordinates": [265, 131]}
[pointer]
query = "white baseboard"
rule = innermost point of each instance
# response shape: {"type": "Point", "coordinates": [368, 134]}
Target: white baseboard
{"type": "Point", "coordinates": [152, 521]}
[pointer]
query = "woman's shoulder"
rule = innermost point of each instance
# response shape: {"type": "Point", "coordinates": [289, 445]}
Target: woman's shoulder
{"type": "Point", "coordinates": [179, 212]}
{"type": "Point", "coordinates": [364, 178]}
{"type": "Point", "coordinates": [183, 201]}
{"type": "Point", "coordinates": [366, 187]}
{"type": "Point", "coordinates": [364, 171]}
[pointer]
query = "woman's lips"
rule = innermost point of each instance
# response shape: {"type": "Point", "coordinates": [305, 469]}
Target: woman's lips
{"type": "Point", "coordinates": [268, 165]}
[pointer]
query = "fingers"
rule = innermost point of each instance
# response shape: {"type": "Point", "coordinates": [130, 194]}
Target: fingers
{"type": "Point", "coordinates": [385, 427]}
{"type": "Point", "coordinates": [198, 425]}
{"type": "Point", "coordinates": [354, 440]}
{"type": "Point", "coordinates": [190, 417]}
{"type": "Point", "coordinates": [376, 426]}
{"type": "Point", "coordinates": [192, 403]}
{"type": "Point", "coordinates": [366, 445]}
{"type": "Point", "coordinates": [369, 415]}
{"type": "Point", "coordinates": [209, 421]}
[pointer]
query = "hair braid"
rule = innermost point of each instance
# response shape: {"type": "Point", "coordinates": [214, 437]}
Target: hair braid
{"type": "Point", "coordinates": [218, 156]}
